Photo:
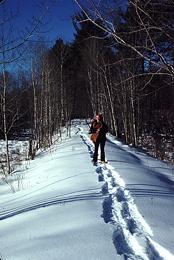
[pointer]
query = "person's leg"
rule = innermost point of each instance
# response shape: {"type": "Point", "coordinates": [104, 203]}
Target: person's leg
{"type": "Point", "coordinates": [102, 147]}
{"type": "Point", "coordinates": [95, 151]}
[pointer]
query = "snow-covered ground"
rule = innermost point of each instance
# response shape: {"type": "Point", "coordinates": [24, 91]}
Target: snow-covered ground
{"type": "Point", "coordinates": [62, 207]}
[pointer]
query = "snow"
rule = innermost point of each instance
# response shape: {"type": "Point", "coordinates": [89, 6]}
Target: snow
{"type": "Point", "coordinates": [60, 206]}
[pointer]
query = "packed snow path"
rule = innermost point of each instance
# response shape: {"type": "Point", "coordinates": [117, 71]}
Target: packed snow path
{"type": "Point", "coordinates": [150, 184]}
{"type": "Point", "coordinates": [134, 179]}
{"type": "Point", "coordinates": [57, 213]}
{"type": "Point", "coordinates": [64, 208]}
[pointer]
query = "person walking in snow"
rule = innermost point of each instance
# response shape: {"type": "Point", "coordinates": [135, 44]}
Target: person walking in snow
{"type": "Point", "coordinates": [100, 128]}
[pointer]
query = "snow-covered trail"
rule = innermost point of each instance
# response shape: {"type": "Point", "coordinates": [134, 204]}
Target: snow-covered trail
{"type": "Point", "coordinates": [134, 179]}
{"type": "Point", "coordinates": [57, 215]}
{"type": "Point", "coordinates": [68, 209]}
{"type": "Point", "coordinates": [152, 191]}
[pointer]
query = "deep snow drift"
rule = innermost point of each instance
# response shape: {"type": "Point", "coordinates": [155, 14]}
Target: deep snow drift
{"type": "Point", "coordinates": [64, 208]}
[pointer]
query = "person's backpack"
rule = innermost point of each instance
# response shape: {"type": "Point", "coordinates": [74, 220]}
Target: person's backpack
{"type": "Point", "coordinates": [94, 135]}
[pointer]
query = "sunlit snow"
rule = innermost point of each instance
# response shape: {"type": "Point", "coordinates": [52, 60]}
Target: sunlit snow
{"type": "Point", "coordinates": [60, 206]}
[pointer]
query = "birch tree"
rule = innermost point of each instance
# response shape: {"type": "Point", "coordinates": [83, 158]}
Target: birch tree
{"type": "Point", "coordinates": [11, 50]}
{"type": "Point", "coordinates": [142, 34]}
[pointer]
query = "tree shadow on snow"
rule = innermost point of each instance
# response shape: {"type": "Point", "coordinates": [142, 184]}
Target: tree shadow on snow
{"type": "Point", "coordinates": [158, 191]}
{"type": "Point", "coordinates": [90, 194]}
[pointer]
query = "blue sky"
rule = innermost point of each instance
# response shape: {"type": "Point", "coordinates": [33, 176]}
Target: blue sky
{"type": "Point", "coordinates": [57, 21]}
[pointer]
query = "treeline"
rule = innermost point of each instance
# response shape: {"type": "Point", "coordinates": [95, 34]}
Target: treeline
{"type": "Point", "coordinates": [127, 56]}
{"type": "Point", "coordinates": [120, 63]}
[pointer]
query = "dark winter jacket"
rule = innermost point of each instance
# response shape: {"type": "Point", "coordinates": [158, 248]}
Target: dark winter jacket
{"type": "Point", "coordinates": [103, 130]}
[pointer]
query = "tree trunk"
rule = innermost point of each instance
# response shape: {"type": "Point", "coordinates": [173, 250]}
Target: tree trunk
{"type": "Point", "coordinates": [5, 121]}
{"type": "Point", "coordinates": [133, 117]}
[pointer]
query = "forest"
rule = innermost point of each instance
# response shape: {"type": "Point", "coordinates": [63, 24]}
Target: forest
{"type": "Point", "coordinates": [120, 63]}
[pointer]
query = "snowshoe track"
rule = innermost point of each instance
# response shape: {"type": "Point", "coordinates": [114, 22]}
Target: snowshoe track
{"type": "Point", "coordinates": [132, 236]}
